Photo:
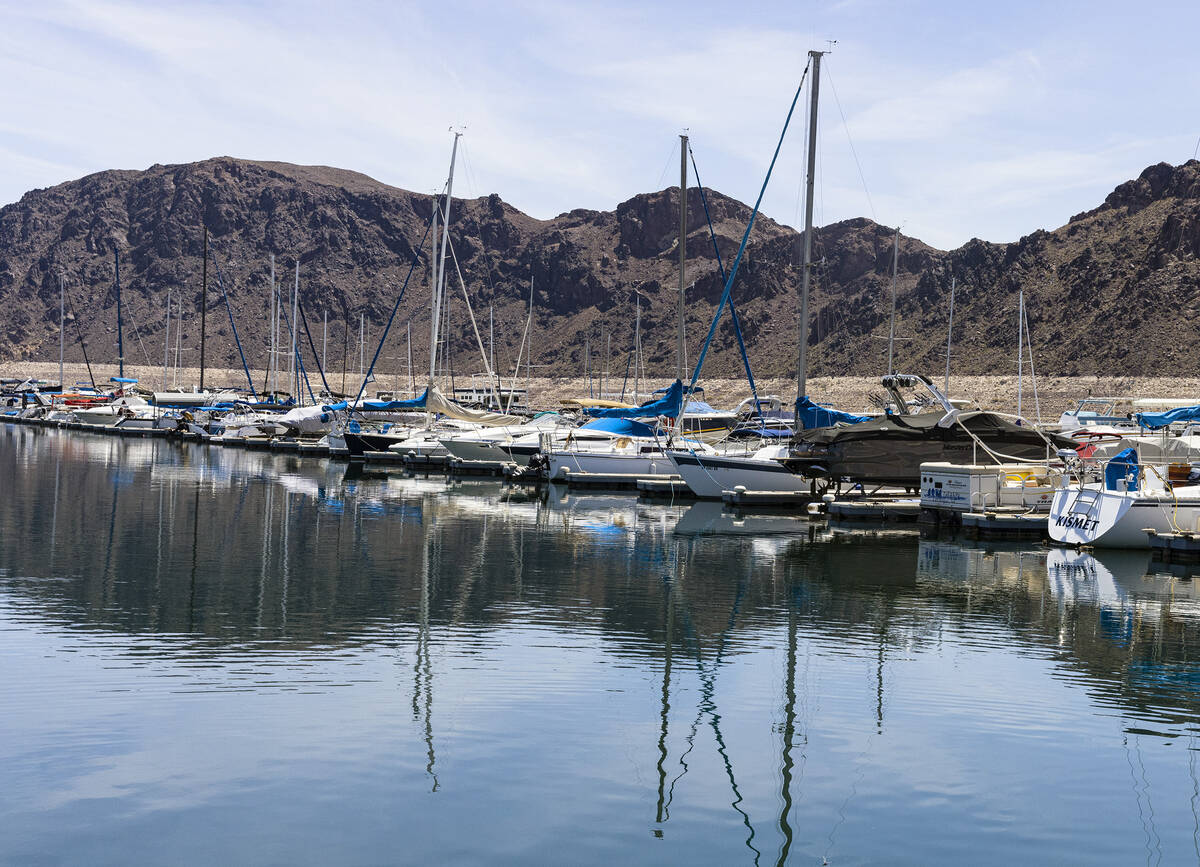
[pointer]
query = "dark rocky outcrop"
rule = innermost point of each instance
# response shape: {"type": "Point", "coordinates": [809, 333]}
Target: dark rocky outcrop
{"type": "Point", "coordinates": [1123, 275]}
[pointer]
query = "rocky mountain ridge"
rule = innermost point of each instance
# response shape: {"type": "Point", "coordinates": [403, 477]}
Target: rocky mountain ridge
{"type": "Point", "coordinates": [1115, 291]}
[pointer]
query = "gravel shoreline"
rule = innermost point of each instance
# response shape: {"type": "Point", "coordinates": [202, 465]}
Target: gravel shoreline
{"type": "Point", "coordinates": [851, 393]}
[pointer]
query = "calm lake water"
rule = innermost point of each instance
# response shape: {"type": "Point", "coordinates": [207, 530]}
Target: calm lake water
{"type": "Point", "coordinates": [217, 656]}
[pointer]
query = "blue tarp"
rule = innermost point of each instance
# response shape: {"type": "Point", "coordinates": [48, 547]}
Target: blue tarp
{"type": "Point", "coordinates": [622, 426]}
{"type": "Point", "coordinates": [667, 405]}
{"type": "Point", "coordinates": [122, 379]}
{"type": "Point", "coordinates": [813, 415]}
{"type": "Point", "coordinates": [381, 405]}
{"type": "Point", "coordinates": [1124, 465]}
{"type": "Point", "coordinates": [1155, 420]}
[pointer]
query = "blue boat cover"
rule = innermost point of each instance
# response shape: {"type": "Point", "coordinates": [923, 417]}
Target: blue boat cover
{"type": "Point", "coordinates": [813, 415]}
{"type": "Point", "coordinates": [766, 433]}
{"type": "Point", "coordinates": [379, 405]}
{"type": "Point", "coordinates": [1124, 465]}
{"type": "Point", "coordinates": [623, 426]}
{"type": "Point", "coordinates": [122, 379]}
{"type": "Point", "coordinates": [335, 407]}
{"type": "Point", "coordinates": [1155, 420]}
{"type": "Point", "coordinates": [667, 405]}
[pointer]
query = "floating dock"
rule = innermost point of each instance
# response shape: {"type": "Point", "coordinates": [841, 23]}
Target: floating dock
{"type": "Point", "coordinates": [886, 510]}
{"type": "Point", "coordinates": [1175, 547]}
{"type": "Point", "coordinates": [673, 488]}
{"type": "Point", "coordinates": [1003, 524]}
{"type": "Point", "coordinates": [609, 481]}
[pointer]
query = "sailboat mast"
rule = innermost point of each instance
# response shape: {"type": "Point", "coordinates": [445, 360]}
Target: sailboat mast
{"type": "Point", "coordinates": [120, 324]}
{"type": "Point", "coordinates": [439, 286]}
{"type": "Point", "coordinates": [895, 274]}
{"type": "Point", "coordinates": [203, 307]}
{"type": "Point", "coordinates": [949, 336]}
{"type": "Point", "coordinates": [324, 336]}
{"type": "Point", "coordinates": [805, 274]}
{"type": "Point", "coordinates": [637, 349]}
{"type": "Point", "coordinates": [679, 350]}
{"type": "Point", "coordinates": [167, 342]}
{"type": "Point", "coordinates": [271, 360]}
{"type": "Point", "coordinates": [1020, 344]}
{"type": "Point", "coordinates": [62, 307]}
{"type": "Point", "coordinates": [296, 332]}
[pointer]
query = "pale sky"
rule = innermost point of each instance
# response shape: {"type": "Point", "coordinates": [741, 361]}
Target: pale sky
{"type": "Point", "coordinates": [968, 119]}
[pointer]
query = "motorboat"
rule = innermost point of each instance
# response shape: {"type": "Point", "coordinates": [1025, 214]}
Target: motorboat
{"type": "Point", "coordinates": [890, 448]}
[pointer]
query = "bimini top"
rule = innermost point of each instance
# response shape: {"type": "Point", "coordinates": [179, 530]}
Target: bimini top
{"type": "Point", "coordinates": [1155, 420]}
{"type": "Point", "coordinates": [626, 427]}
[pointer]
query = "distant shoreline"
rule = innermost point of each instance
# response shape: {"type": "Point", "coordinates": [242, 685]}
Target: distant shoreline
{"type": "Point", "coordinates": [851, 393]}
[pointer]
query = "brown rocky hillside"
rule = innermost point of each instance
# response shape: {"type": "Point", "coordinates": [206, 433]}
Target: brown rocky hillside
{"type": "Point", "coordinates": [1113, 292]}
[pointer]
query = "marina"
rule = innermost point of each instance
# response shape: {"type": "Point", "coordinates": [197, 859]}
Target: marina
{"type": "Point", "coordinates": [599, 434]}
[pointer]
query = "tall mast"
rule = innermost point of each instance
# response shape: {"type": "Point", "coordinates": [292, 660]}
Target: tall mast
{"type": "Point", "coordinates": [805, 275]}
{"type": "Point", "coordinates": [120, 324]}
{"type": "Point", "coordinates": [439, 285]}
{"type": "Point", "coordinates": [895, 274]}
{"type": "Point", "coordinates": [62, 294]}
{"type": "Point", "coordinates": [299, 392]}
{"type": "Point", "coordinates": [679, 350]}
{"type": "Point", "coordinates": [167, 342]}
{"type": "Point", "coordinates": [412, 383]}
{"type": "Point", "coordinates": [637, 348]}
{"type": "Point", "coordinates": [362, 346]}
{"type": "Point", "coordinates": [949, 336]}
{"type": "Point", "coordinates": [274, 324]}
{"type": "Point", "coordinates": [1020, 343]}
{"type": "Point", "coordinates": [324, 335]}
{"type": "Point", "coordinates": [203, 307]}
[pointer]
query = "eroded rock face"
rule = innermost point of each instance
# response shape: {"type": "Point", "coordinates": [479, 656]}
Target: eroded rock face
{"type": "Point", "coordinates": [1122, 275]}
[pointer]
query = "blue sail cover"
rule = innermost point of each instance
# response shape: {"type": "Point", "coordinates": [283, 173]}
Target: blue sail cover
{"type": "Point", "coordinates": [1124, 465]}
{"type": "Point", "coordinates": [667, 405]}
{"type": "Point", "coordinates": [622, 426]}
{"type": "Point", "coordinates": [384, 405]}
{"type": "Point", "coordinates": [813, 415]}
{"type": "Point", "coordinates": [1155, 420]}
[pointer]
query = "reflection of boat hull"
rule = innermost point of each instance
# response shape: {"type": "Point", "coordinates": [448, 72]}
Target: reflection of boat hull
{"type": "Point", "coordinates": [709, 476]}
{"type": "Point", "coordinates": [1091, 515]}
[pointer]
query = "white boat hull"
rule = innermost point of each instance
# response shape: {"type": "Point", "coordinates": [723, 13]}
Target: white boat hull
{"type": "Point", "coordinates": [1091, 515]}
{"type": "Point", "coordinates": [709, 476]}
{"type": "Point", "coordinates": [614, 463]}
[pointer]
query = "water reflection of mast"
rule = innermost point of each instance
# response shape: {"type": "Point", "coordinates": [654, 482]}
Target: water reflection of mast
{"type": "Point", "coordinates": [661, 814]}
{"type": "Point", "coordinates": [422, 670]}
{"type": "Point", "coordinates": [708, 705]}
{"type": "Point", "coordinates": [789, 728]}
